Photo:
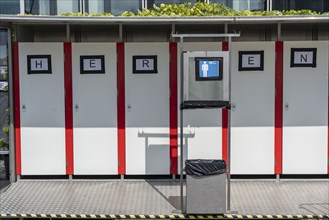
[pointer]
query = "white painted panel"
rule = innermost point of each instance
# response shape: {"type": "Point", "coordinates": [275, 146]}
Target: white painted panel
{"type": "Point", "coordinates": [95, 112]}
{"type": "Point", "coordinates": [305, 112]}
{"type": "Point", "coordinates": [252, 125]}
{"type": "Point", "coordinates": [42, 118]}
{"type": "Point", "coordinates": [147, 112]}
{"type": "Point", "coordinates": [202, 127]}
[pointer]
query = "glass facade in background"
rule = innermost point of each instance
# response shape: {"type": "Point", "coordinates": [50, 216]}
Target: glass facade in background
{"type": "Point", "coordinates": [9, 7]}
{"type": "Point", "coordinates": [117, 7]}
{"type": "Point", "coordinates": [50, 7]}
{"type": "Point", "coordinates": [4, 97]}
{"type": "Point", "coordinates": [314, 5]}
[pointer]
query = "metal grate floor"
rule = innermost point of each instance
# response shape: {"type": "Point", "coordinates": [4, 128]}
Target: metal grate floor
{"type": "Point", "coordinates": [249, 197]}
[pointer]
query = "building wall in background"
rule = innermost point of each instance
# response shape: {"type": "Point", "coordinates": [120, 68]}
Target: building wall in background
{"type": "Point", "coordinates": [117, 7]}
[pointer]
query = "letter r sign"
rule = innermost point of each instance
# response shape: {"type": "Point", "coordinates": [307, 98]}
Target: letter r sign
{"type": "Point", "coordinates": [145, 64]}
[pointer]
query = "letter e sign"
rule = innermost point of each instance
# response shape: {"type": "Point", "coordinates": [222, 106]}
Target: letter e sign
{"type": "Point", "coordinates": [38, 64]}
{"type": "Point", "coordinates": [303, 57]}
{"type": "Point", "coordinates": [92, 64]}
{"type": "Point", "coordinates": [251, 60]}
{"type": "Point", "coordinates": [145, 64]}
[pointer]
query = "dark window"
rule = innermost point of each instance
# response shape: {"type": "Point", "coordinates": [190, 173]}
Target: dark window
{"type": "Point", "coordinates": [120, 6]}
{"type": "Point", "coordinates": [9, 7]}
{"type": "Point", "coordinates": [227, 3]}
{"type": "Point", "coordinates": [50, 7]}
{"type": "Point", "coordinates": [115, 7]}
{"type": "Point", "coordinates": [241, 5]}
{"type": "Point", "coordinates": [252, 5]}
{"type": "Point", "coordinates": [314, 5]}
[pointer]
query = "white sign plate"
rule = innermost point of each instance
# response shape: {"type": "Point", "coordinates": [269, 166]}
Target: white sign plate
{"type": "Point", "coordinates": [3, 85]}
{"type": "Point", "coordinates": [303, 57]}
{"type": "Point", "coordinates": [251, 60]}
{"type": "Point", "coordinates": [39, 64]}
{"type": "Point", "coordinates": [92, 64]}
{"type": "Point", "coordinates": [145, 64]}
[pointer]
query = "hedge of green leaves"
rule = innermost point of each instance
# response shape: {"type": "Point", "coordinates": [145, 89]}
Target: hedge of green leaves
{"type": "Point", "coordinates": [198, 9]}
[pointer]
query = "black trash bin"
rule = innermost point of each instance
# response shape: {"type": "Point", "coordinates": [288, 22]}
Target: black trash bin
{"type": "Point", "coordinates": [205, 186]}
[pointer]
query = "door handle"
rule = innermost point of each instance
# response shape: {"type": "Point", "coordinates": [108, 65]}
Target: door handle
{"type": "Point", "coordinates": [233, 106]}
{"type": "Point", "coordinates": [76, 107]}
{"type": "Point", "coordinates": [286, 106]}
{"type": "Point", "coordinates": [23, 108]}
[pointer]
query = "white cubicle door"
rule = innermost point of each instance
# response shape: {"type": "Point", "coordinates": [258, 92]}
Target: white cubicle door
{"type": "Point", "coordinates": [95, 111]}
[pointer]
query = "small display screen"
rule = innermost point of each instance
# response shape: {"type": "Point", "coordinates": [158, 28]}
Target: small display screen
{"type": "Point", "coordinates": [208, 68]}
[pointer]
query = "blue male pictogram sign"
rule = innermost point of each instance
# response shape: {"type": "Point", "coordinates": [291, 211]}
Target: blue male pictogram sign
{"type": "Point", "coordinates": [208, 69]}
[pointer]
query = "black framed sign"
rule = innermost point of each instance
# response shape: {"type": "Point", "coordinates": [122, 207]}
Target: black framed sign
{"type": "Point", "coordinates": [208, 68]}
{"type": "Point", "coordinates": [39, 64]}
{"type": "Point", "coordinates": [303, 57]}
{"type": "Point", "coordinates": [251, 60]}
{"type": "Point", "coordinates": [145, 64]}
{"type": "Point", "coordinates": [92, 64]}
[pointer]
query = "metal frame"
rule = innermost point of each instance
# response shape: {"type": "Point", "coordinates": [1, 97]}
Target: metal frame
{"type": "Point", "coordinates": [11, 152]}
{"type": "Point", "coordinates": [162, 20]}
{"type": "Point", "coordinates": [181, 47]}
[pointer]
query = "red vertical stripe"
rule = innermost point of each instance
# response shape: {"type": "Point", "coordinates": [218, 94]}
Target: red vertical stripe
{"type": "Point", "coordinates": [68, 107]}
{"type": "Point", "coordinates": [173, 108]}
{"type": "Point", "coordinates": [278, 106]}
{"type": "Point", "coordinates": [121, 108]}
{"type": "Point", "coordinates": [225, 47]}
{"type": "Point", "coordinates": [17, 115]}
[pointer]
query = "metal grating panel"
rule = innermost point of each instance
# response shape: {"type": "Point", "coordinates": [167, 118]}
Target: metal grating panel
{"type": "Point", "coordinates": [159, 198]}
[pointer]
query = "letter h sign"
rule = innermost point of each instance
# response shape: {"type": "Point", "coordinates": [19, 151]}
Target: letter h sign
{"type": "Point", "coordinates": [39, 64]}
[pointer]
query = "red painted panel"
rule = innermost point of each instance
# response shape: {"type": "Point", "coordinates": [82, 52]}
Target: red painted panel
{"type": "Point", "coordinates": [17, 116]}
{"type": "Point", "coordinates": [68, 108]}
{"type": "Point", "coordinates": [121, 108]}
{"type": "Point", "coordinates": [225, 47]}
{"type": "Point", "coordinates": [278, 106]}
{"type": "Point", "coordinates": [173, 108]}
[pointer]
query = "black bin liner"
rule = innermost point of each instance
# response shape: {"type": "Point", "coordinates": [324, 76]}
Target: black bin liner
{"type": "Point", "coordinates": [205, 167]}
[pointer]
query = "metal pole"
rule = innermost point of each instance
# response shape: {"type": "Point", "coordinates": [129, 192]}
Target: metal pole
{"type": "Point", "coordinates": [229, 127]}
{"type": "Point", "coordinates": [181, 124]}
{"type": "Point", "coordinates": [68, 33]}
{"type": "Point", "coordinates": [11, 109]}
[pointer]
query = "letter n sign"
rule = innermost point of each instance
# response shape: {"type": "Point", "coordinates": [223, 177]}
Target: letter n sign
{"type": "Point", "coordinates": [38, 64]}
{"type": "Point", "coordinates": [92, 64]}
{"type": "Point", "coordinates": [145, 64]}
{"type": "Point", "coordinates": [303, 57]}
